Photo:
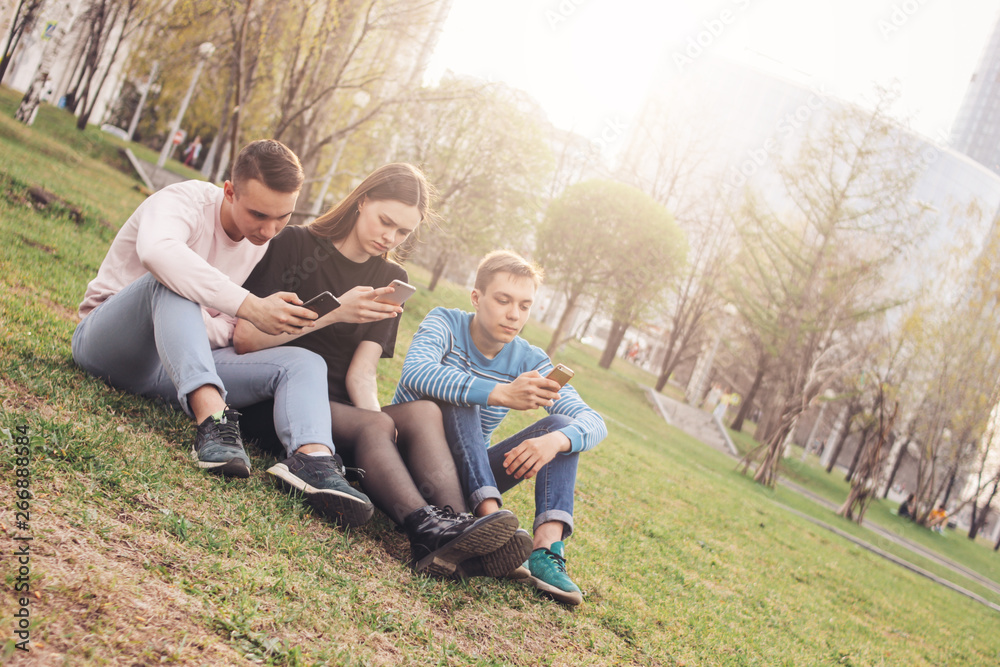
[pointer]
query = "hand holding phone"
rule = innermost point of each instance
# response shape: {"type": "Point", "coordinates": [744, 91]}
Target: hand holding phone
{"type": "Point", "coordinates": [402, 292]}
{"type": "Point", "coordinates": [561, 374]}
{"type": "Point", "coordinates": [323, 303]}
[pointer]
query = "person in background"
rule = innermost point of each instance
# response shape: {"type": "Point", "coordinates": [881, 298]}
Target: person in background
{"type": "Point", "coordinates": [906, 509]}
{"type": "Point", "coordinates": [192, 152]}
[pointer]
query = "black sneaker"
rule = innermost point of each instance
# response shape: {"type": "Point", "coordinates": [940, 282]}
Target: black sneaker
{"type": "Point", "coordinates": [440, 539]}
{"type": "Point", "coordinates": [507, 561]}
{"type": "Point", "coordinates": [321, 479]}
{"type": "Point", "coordinates": [218, 447]}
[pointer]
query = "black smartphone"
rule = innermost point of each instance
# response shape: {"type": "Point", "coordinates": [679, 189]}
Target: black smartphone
{"type": "Point", "coordinates": [322, 303]}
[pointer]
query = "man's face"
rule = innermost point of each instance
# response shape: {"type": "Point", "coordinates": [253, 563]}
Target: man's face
{"type": "Point", "coordinates": [258, 212]}
{"type": "Point", "coordinates": [502, 309]}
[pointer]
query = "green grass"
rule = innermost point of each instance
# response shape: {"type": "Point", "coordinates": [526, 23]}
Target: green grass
{"type": "Point", "coordinates": [139, 558]}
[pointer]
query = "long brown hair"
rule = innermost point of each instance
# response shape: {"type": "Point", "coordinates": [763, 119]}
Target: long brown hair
{"type": "Point", "coordinates": [398, 181]}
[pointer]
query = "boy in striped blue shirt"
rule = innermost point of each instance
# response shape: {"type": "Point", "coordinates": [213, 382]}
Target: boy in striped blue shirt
{"type": "Point", "coordinates": [477, 368]}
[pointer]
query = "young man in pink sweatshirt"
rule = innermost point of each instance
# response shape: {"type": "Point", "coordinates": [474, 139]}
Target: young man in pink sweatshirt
{"type": "Point", "coordinates": [158, 321]}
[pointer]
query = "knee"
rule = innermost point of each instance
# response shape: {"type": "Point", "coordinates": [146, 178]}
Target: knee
{"type": "Point", "coordinates": [426, 410]}
{"type": "Point", "coordinates": [555, 422]}
{"type": "Point", "coordinates": [379, 425]}
{"type": "Point", "coordinates": [298, 361]}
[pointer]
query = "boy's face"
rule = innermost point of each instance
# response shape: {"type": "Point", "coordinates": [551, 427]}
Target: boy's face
{"type": "Point", "coordinates": [502, 309]}
{"type": "Point", "coordinates": [258, 212]}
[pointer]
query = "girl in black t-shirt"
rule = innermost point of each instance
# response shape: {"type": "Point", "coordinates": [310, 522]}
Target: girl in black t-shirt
{"type": "Point", "coordinates": [409, 471]}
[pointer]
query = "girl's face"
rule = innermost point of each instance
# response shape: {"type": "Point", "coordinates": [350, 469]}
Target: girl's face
{"type": "Point", "coordinates": [382, 224]}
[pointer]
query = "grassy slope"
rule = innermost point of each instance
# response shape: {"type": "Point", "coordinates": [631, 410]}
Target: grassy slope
{"type": "Point", "coordinates": [140, 558]}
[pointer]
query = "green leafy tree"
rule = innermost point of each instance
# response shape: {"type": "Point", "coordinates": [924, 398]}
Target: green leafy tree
{"type": "Point", "coordinates": [608, 239]}
{"type": "Point", "coordinates": [648, 255]}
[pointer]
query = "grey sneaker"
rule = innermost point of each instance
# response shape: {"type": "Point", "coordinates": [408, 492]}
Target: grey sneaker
{"type": "Point", "coordinates": [321, 480]}
{"type": "Point", "coordinates": [218, 447]}
{"type": "Point", "coordinates": [503, 562]}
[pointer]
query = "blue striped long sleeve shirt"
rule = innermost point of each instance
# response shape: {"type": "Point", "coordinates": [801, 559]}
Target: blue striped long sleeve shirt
{"type": "Point", "coordinates": [444, 364]}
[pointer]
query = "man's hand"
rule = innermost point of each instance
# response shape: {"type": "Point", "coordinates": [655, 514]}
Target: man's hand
{"type": "Point", "coordinates": [525, 460]}
{"type": "Point", "coordinates": [282, 312]}
{"type": "Point", "coordinates": [358, 305]}
{"type": "Point", "coordinates": [528, 391]}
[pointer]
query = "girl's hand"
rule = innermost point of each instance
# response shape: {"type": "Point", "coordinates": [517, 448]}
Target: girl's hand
{"type": "Point", "coordinates": [358, 305]}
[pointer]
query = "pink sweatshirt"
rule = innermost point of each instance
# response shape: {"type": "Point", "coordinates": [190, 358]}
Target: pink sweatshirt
{"type": "Point", "coordinates": [177, 235]}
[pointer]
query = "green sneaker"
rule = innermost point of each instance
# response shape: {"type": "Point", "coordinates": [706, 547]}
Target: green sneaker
{"type": "Point", "coordinates": [548, 574]}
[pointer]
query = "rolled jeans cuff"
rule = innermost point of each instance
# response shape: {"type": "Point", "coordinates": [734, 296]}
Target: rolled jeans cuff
{"type": "Point", "coordinates": [484, 493]}
{"type": "Point", "coordinates": [556, 515]}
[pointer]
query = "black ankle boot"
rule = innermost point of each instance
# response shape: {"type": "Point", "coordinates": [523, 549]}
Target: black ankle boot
{"type": "Point", "coordinates": [440, 539]}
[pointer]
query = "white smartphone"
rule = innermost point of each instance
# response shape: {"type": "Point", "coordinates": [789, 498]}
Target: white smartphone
{"type": "Point", "coordinates": [403, 292]}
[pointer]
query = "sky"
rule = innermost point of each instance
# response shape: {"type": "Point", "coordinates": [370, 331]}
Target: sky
{"type": "Point", "coordinates": [590, 63]}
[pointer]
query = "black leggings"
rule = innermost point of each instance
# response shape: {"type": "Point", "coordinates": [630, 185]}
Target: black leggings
{"type": "Point", "coordinates": [402, 449]}
{"type": "Point", "coordinates": [404, 453]}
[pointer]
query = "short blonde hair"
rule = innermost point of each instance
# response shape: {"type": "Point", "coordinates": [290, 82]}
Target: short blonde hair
{"type": "Point", "coordinates": [505, 261]}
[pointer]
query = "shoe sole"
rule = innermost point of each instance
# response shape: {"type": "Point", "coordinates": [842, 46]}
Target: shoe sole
{"type": "Point", "coordinates": [230, 468]}
{"type": "Point", "coordinates": [505, 561]}
{"type": "Point", "coordinates": [489, 536]}
{"type": "Point", "coordinates": [343, 508]}
{"type": "Point", "coordinates": [557, 594]}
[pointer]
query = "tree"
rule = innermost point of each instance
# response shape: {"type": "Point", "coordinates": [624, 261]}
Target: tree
{"type": "Point", "coordinates": [102, 28]}
{"type": "Point", "coordinates": [958, 389]}
{"type": "Point", "coordinates": [488, 181]}
{"type": "Point", "coordinates": [648, 252]}
{"type": "Point", "coordinates": [608, 238]}
{"type": "Point", "coordinates": [813, 263]}
{"type": "Point", "coordinates": [865, 484]}
{"type": "Point", "coordinates": [28, 107]}
{"type": "Point", "coordinates": [24, 20]}
{"type": "Point", "coordinates": [669, 158]}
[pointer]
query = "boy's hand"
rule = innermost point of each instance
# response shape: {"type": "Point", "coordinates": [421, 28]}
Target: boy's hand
{"type": "Point", "coordinates": [282, 312]}
{"type": "Point", "coordinates": [525, 460]}
{"type": "Point", "coordinates": [528, 391]}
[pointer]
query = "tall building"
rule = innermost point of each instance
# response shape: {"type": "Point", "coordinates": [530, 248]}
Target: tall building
{"type": "Point", "coordinates": [976, 131]}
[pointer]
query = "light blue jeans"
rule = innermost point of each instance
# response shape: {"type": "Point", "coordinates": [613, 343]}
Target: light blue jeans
{"type": "Point", "coordinates": [483, 475]}
{"type": "Point", "coordinates": [150, 341]}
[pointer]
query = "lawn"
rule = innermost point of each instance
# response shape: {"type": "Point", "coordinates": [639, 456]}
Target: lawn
{"type": "Point", "coordinates": [139, 558]}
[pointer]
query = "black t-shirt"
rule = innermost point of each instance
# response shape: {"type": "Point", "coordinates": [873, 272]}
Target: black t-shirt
{"type": "Point", "coordinates": [298, 261]}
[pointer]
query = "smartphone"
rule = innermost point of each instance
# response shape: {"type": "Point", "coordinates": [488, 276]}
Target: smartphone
{"type": "Point", "coordinates": [322, 303]}
{"type": "Point", "coordinates": [561, 374]}
{"type": "Point", "coordinates": [403, 292]}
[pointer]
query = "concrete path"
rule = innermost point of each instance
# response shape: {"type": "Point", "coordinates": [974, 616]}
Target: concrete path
{"type": "Point", "coordinates": [153, 177]}
{"type": "Point", "coordinates": [696, 423]}
{"type": "Point", "coordinates": [710, 431]}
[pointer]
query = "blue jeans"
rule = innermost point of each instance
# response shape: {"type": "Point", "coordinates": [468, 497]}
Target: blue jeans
{"type": "Point", "coordinates": [150, 341]}
{"type": "Point", "coordinates": [483, 476]}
